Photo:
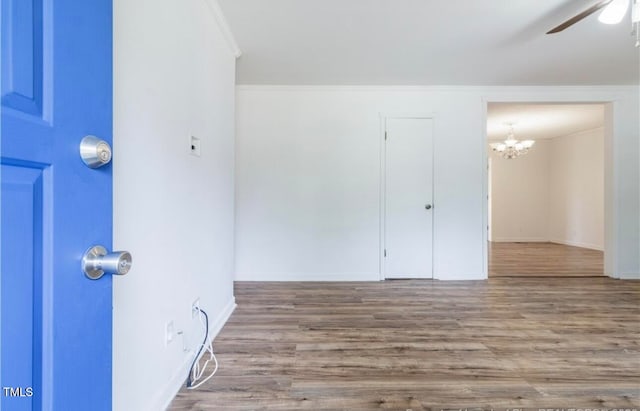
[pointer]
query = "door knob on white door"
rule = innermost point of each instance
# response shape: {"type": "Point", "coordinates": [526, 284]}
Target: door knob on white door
{"type": "Point", "coordinates": [428, 207]}
{"type": "Point", "coordinates": [97, 262]}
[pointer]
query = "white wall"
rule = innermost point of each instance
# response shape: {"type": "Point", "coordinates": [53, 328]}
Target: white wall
{"type": "Point", "coordinates": [174, 76]}
{"type": "Point", "coordinates": [576, 189]}
{"type": "Point", "coordinates": [554, 193]}
{"type": "Point", "coordinates": [520, 196]}
{"type": "Point", "coordinates": [308, 166]}
{"type": "Point", "coordinates": [308, 180]}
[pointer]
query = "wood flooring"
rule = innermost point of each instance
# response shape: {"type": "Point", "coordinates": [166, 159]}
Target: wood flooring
{"type": "Point", "coordinates": [419, 345]}
{"type": "Point", "coordinates": [543, 260]}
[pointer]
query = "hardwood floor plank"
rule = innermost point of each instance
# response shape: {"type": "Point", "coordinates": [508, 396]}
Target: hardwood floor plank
{"type": "Point", "coordinates": [543, 260]}
{"type": "Point", "coordinates": [425, 345]}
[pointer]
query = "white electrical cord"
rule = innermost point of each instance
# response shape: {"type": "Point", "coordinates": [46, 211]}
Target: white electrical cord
{"type": "Point", "coordinates": [197, 372]}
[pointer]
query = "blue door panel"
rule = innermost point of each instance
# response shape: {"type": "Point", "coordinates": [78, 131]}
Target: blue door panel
{"type": "Point", "coordinates": [22, 41]}
{"type": "Point", "coordinates": [21, 285]}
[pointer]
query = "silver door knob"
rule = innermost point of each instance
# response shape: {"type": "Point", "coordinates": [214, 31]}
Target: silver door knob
{"type": "Point", "coordinates": [97, 262]}
{"type": "Point", "coordinates": [427, 207]}
{"type": "Point", "coordinates": [95, 152]}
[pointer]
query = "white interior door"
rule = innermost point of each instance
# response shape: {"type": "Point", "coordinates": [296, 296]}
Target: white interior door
{"type": "Point", "coordinates": [408, 198]}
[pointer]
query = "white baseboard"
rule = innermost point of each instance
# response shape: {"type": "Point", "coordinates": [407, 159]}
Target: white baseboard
{"type": "Point", "coordinates": [216, 325]}
{"type": "Point", "coordinates": [283, 277]}
{"type": "Point", "coordinates": [520, 240]}
{"type": "Point", "coordinates": [460, 276]}
{"type": "Point", "coordinates": [629, 276]}
{"type": "Point", "coordinates": [577, 244]}
{"type": "Point", "coordinates": [168, 393]}
{"type": "Point", "coordinates": [547, 240]}
{"type": "Point", "coordinates": [307, 277]}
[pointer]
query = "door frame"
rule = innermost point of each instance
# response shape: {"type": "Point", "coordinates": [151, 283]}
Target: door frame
{"type": "Point", "coordinates": [383, 189]}
{"type": "Point", "coordinates": [610, 198]}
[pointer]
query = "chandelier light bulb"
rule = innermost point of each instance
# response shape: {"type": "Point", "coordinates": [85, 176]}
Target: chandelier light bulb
{"type": "Point", "coordinates": [499, 147]}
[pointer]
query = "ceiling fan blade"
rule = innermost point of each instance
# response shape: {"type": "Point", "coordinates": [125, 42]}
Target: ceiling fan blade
{"type": "Point", "coordinates": [573, 20]}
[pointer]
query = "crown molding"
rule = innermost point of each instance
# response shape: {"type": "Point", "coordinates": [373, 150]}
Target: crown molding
{"type": "Point", "coordinates": [489, 93]}
{"type": "Point", "coordinates": [214, 6]}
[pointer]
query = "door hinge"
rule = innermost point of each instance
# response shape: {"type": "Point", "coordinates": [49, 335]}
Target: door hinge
{"type": "Point", "coordinates": [385, 136]}
{"type": "Point", "coordinates": [385, 252]}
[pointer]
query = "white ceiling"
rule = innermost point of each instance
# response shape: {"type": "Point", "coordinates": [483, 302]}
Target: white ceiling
{"type": "Point", "coordinates": [427, 42]}
{"type": "Point", "coordinates": [539, 121]}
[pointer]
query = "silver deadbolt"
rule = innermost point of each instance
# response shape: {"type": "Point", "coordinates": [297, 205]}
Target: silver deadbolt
{"type": "Point", "coordinates": [95, 152]}
{"type": "Point", "coordinates": [96, 262]}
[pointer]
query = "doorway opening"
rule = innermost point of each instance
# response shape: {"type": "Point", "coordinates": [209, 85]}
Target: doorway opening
{"type": "Point", "coordinates": [546, 203]}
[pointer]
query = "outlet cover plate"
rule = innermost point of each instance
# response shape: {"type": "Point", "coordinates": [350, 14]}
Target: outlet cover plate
{"type": "Point", "coordinates": [195, 308]}
{"type": "Point", "coordinates": [194, 146]}
{"type": "Point", "coordinates": [169, 333]}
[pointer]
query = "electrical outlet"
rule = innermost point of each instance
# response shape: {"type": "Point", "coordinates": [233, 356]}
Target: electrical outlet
{"type": "Point", "coordinates": [195, 308]}
{"type": "Point", "coordinates": [194, 146]}
{"type": "Point", "coordinates": [169, 332]}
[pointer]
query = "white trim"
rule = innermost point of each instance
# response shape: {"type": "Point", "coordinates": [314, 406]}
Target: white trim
{"type": "Point", "coordinates": [610, 191]}
{"type": "Point", "coordinates": [434, 199]}
{"type": "Point", "coordinates": [408, 114]}
{"type": "Point", "coordinates": [577, 244]}
{"type": "Point", "coordinates": [337, 87]}
{"type": "Point", "coordinates": [383, 177]}
{"type": "Point", "coordinates": [521, 240]}
{"type": "Point", "coordinates": [216, 325]}
{"type": "Point", "coordinates": [607, 96]}
{"type": "Point", "coordinates": [214, 6]}
{"type": "Point", "coordinates": [485, 189]}
{"type": "Point", "coordinates": [629, 276]}
{"type": "Point", "coordinates": [168, 393]}
{"type": "Point", "coordinates": [381, 195]}
{"type": "Point", "coordinates": [460, 277]}
{"type": "Point", "coordinates": [285, 277]}
{"type": "Point", "coordinates": [547, 94]}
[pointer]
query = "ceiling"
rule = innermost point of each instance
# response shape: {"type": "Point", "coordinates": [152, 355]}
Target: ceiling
{"type": "Point", "coordinates": [427, 42]}
{"type": "Point", "coordinates": [540, 121]}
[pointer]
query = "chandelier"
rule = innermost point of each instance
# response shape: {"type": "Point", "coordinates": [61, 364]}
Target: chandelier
{"type": "Point", "coordinates": [510, 147]}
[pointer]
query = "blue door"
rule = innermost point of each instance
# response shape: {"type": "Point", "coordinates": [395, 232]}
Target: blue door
{"type": "Point", "coordinates": [55, 323]}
